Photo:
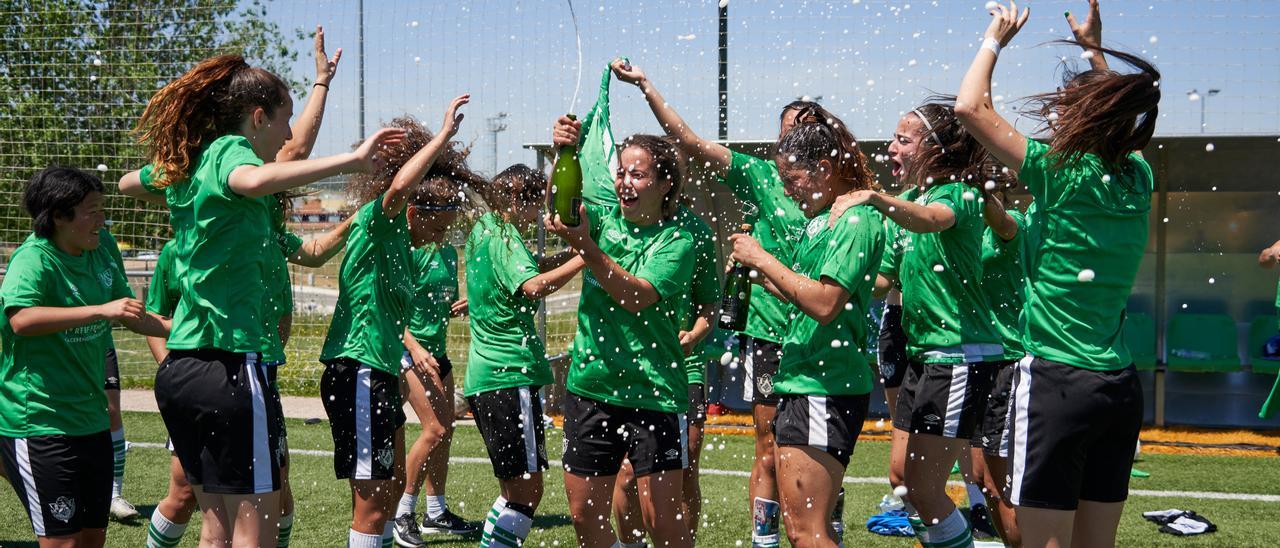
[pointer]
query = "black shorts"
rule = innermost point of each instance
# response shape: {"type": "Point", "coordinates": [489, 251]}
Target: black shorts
{"type": "Point", "coordinates": [113, 371]}
{"type": "Point", "coordinates": [947, 400]}
{"type": "Point", "coordinates": [598, 435]}
{"type": "Point", "coordinates": [892, 354]}
{"type": "Point", "coordinates": [222, 415]}
{"type": "Point", "coordinates": [697, 403]}
{"type": "Point", "coordinates": [273, 379]}
{"type": "Point", "coordinates": [828, 423]}
{"type": "Point", "coordinates": [446, 365]}
{"type": "Point", "coordinates": [1073, 434]}
{"type": "Point", "coordinates": [992, 436]}
{"type": "Point", "coordinates": [365, 411]}
{"type": "Point", "coordinates": [510, 423]}
{"type": "Point", "coordinates": [761, 360]}
{"type": "Point", "coordinates": [63, 482]}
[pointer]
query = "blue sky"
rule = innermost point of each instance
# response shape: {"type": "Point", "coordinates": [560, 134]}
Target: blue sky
{"type": "Point", "coordinates": [870, 60]}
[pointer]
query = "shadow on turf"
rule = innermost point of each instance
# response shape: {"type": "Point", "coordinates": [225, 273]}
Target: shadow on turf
{"type": "Point", "coordinates": [19, 543]}
{"type": "Point", "coordinates": [552, 520]}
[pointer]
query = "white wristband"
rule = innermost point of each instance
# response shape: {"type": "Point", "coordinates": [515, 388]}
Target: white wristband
{"type": "Point", "coordinates": [991, 44]}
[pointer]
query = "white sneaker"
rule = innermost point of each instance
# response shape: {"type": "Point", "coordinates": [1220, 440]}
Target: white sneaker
{"type": "Point", "coordinates": [121, 510]}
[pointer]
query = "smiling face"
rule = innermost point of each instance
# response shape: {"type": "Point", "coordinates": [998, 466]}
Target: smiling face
{"type": "Point", "coordinates": [79, 233]}
{"type": "Point", "coordinates": [810, 188]}
{"type": "Point", "coordinates": [268, 133]}
{"type": "Point", "coordinates": [639, 192]}
{"type": "Point", "coordinates": [429, 227]}
{"type": "Point", "coordinates": [907, 138]}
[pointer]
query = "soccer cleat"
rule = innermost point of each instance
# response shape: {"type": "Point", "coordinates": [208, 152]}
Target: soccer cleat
{"type": "Point", "coordinates": [122, 511]}
{"type": "Point", "coordinates": [448, 522]}
{"type": "Point", "coordinates": [981, 522]}
{"type": "Point", "coordinates": [406, 532]}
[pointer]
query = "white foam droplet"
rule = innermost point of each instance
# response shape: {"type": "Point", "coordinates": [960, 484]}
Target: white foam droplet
{"type": "Point", "coordinates": [97, 62]}
{"type": "Point", "coordinates": [1209, 147]}
{"type": "Point", "coordinates": [938, 268]}
{"type": "Point", "coordinates": [900, 491]}
{"type": "Point", "coordinates": [1085, 275]}
{"type": "Point", "coordinates": [102, 167]}
{"type": "Point", "coordinates": [724, 3]}
{"type": "Point", "coordinates": [835, 344]}
{"type": "Point", "coordinates": [1053, 117]}
{"type": "Point", "coordinates": [968, 196]}
{"type": "Point", "coordinates": [989, 185]}
{"type": "Point", "coordinates": [1086, 55]}
{"type": "Point", "coordinates": [1211, 280]}
{"type": "Point", "coordinates": [413, 24]}
{"type": "Point", "coordinates": [1153, 39]}
{"type": "Point", "coordinates": [991, 6]}
{"type": "Point", "coordinates": [726, 358]}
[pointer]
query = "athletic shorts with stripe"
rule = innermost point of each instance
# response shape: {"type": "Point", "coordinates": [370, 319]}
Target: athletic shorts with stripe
{"type": "Point", "coordinates": [365, 411]}
{"type": "Point", "coordinates": [273, 379]}
{"type": "Point", "coordinates": [598, 435]}
{"type": "Point", "coordinates": [992, 436]}
{"type": "Point", "coordinates": [222, 415]}
{"type": "Point", "coordinates": [892, 352]}
{"type": "Point", "coordinates": [826, 423]}
{"type": "Point", "coordinates": [63, 482]}
{"type": "Point", "coordinates": [113, 371]}
{"type": "Point", "coordinates": [510, 423]}
{"type": "Point", "coordinates": [446, 365]}
{"type": "Point", "coordinates": [697, 403]}
{"type": "Point", "coordinates": [947, 400]}
{"type": "Point", "coordinates": [1074, 431]}
{"type": "Point", "coordinates": [761, 360]}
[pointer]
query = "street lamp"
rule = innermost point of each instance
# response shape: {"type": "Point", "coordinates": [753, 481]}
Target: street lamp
{"type": "Point", "coordinates": [1194, 95]}
{"type": "Point", "coordinates": [496, 124]}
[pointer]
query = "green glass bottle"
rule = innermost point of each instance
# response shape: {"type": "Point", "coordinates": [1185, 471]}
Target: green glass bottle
{"type": "Point", "coordinates": [737, 295]}
{"type": "Point", "coordinates": [566, 184]}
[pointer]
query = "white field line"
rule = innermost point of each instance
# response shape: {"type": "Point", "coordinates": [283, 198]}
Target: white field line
{"type": "Point", "coordinates": [1201, 495]}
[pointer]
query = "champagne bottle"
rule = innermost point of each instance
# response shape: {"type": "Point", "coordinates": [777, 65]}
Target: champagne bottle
{"type": "Point", "coordinates": [566, 184]}
{"type": "Point", "coordinates": [737, 295]}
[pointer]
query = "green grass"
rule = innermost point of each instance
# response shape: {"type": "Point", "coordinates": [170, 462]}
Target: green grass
{"type": "Point", "coordinates": [323, 512]}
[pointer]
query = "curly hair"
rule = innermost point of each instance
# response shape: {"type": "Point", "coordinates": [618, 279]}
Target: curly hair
{"type": "Point", "coordinates": [819, 134]}
{"type": "Point", "coordinates": [443, 183]}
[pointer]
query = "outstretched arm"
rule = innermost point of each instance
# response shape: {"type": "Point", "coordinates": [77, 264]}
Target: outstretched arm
{"type": "Point", "coordinates": [973, 103]}
{"type": "Point", "coordinates": [317, 251]}
{"type": "Point", "coordinates": [697, 148]}
{"type": "Point", "coordinates": [307, 126]}
{"type": "Point", "coordinates": [131, 186]}
{"type": "Point", "coordinates": [416, 168]}
{"type": "Point", "coordinates": [920, 219]}
{"type": "Point", "coordinates": [267, 179]}
{"type": "Point", "coordinates": [551, 281]}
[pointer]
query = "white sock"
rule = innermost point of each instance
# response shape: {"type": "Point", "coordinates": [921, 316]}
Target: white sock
{"type": "Point", "coordinates": [408, 504]}
{"type": "Point", "coordinates": [511, 528]}
{"type": "Point", "coordinates": [162, 533]}
{"type": "Point", "coordinates": [117, 453]}
{"type": "Point", "coordinates": [436, 506]}
{"type": "Point", "coordinates": [388, 534]}
{"type": "Point", "coordinates": [356, 539]}
{"type": "Point", "coordinates": [499, 504]}
{"type": "Point", "coordinates": [975, 494]}
{"type": "Point", "coordinates": [951, 531]}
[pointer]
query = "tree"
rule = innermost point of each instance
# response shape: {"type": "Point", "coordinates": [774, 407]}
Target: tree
{"type": "Point", "coordinates": [75, 76]}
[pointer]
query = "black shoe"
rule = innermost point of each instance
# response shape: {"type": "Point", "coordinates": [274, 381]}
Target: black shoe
{"type": "Point", "coordinates": [406, 532]}
{"type": "Point", "coordinates": [448, 522]}
{"type": "Point", "coordinates": [980, 520]}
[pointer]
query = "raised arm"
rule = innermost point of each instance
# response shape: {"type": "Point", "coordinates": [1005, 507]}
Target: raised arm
{"type": "Point", "coordinates": [1089, 35]}
{"type": "Point", "coordinates": [822, 300]}
{"type": "Point", "coordinates": [698, 149]}
{"type": "Point", "coordinates": [270, 178]}
{"type": "Point", "coordinates": [34, 321]}
{"type": "Point", "coordinates": [317, 251]}
{"type": "Point", "coordinates": [973, 103]}
{"type": "Point", "coordinates": [131, 186]}
{"type": "Point", "coordinates": [307, 125]}
{"type": "Point", "coordinates": [416, 168]}
{"type": "Point", "coordinates": [996, 217]}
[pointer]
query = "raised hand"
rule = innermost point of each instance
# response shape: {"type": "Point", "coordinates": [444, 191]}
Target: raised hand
{"type": "Point", "coordinates": [1090, 33]}
{"type": "Point", "coordinates": [367, 154]}
{"type": "Point", "coordinates": [566, 132]}
{"type": "Point", "coordinates": [626, 72]}
{"type": "Point", "coordinates": [453, 118]}
{"type": "Point", "coordinates": [326, 67]}
{"type": "Point", "coordinates": [1005, 22]}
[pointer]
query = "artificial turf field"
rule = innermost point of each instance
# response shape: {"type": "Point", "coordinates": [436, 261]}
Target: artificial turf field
{"type": "Point", "coordinates": [323, 512]}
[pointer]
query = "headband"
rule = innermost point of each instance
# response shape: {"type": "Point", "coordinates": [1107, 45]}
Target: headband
{"type": "Point", "coordinates": [929, 128]}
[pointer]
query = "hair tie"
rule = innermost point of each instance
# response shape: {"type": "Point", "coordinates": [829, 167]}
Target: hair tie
{"type": "Point", "coordinates": [929, 128]}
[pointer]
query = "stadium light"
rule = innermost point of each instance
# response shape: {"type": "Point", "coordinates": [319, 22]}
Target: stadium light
{"type": "Point", "coordinates": [1194, 95]}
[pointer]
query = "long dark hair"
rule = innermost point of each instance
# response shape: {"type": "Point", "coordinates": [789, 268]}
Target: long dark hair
{"type": "Point", "coordinates": [1101, 112]}
{"type": "Point", "coordinates": [819, 135]}
{"type": "Point", "coordinates": [207, 102]}
{"type": "Point", "coordinates": [516, 185]}
{"type": "Point", "coordinates": [668, 164]}
{"type": "Point", "coordinates": [948, 152]}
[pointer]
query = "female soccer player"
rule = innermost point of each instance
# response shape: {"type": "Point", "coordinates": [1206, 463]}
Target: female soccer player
{"type": "Point", "coordinates": [416, 195]}
{"type": "Point", "coordinates": [61, 291]}
{"type": "Point", "coordinates": [627, 390]}
{"type": "Point", "coordinates": [1077, 402]}
{"type": "Point", "coordinates": [777, 228]}
{"type": "Point", "coordinates": [507, 363]}
{"type": "Point", "coordinates": [210, 135]}
{"type": "Point", "coordinates": [824, 384]}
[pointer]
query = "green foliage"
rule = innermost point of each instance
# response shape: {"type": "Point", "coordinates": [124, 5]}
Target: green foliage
{"type": "Point", "coordinates": [75, 75]}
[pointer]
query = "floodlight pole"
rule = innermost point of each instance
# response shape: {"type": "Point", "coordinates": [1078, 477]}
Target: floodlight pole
{"type": "Point", "coordinates": [360, 65]}
{"type": "Point", "coordinates": [724, 71]}
{"type": "Point", "coordinates": [496, 124]}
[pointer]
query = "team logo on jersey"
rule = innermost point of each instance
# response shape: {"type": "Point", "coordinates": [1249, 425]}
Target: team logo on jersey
{"type": "Point", "coordinates": [614, 235]}
{"type": "Point", "coordinates": [105, 277]}
{"type": "Point", "coordinates": [386, 457]}
{"type": "Point", "coordinates": [63, 508]}
{"type": "Point", "coordinates": [816, 225]}
{"type": "Point", "coordinates": [765, 384]}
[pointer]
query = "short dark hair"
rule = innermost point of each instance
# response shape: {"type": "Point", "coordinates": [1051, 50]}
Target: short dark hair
{"type": "Point", "coordinates": [516, 185]}
{"type": "Point", "coordinates": [55, 192]}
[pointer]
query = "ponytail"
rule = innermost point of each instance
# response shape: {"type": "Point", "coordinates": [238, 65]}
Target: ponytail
{"type": "Point", "coordinates": [819, 135]}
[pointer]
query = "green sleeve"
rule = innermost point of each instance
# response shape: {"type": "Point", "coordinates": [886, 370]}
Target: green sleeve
{"type": "Point", "coordinates": [513, 265]}
{"type": "Point", "coordinates": [669, 266]}
{"type": "Point", "coordinates": [289, 243]}
{"type": "Point", "coordinates": [706, 284]}
{"type": "Point", "coordinates": [746, 174]}
{"type": "Point", "coordinates": [159, 300]}
{"type": "Point", "coordinates": [853, 255]}
{"type": "Point", "coordinates": [892, 255]}
{"type": "Point", "coordinates": [948, 195]}
{"type": "Point", "coordinates": [1032, 172]}
{"type": "Point", "coordinates": [25, 281]}
{"type": "Point", "coordinates": [147, 176]}
{"type": "Point", "coordinates": [597, 214]}
{"type": "Point", "coordinates": [376, 223]}
{"type": "Point", "coordinates": [236, 153]}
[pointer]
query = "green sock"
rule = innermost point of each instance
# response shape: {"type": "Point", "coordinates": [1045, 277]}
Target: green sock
{"type": "Point", "coordinates": [286, 530]}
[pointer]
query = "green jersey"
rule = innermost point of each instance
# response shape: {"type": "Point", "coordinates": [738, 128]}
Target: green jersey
{"type": "Point", "coordinates": [945, 314]}
{"type": "Point", "coordinates": [634, 359]}
{"type": "Point", "coordinates": [816, 358]}
{"type": "Point", "coordinates": [705, 289]}
{"type": "Point", "coordinates": [777, 227]}
{"type": "Point", "coordinates": [1003, 282]}
{"type": "Point", "coordinates": [897, 240]}
{"type": "Point", "coordinates": [375, 287]}
{"type": "Point", "coordinates": [506, 351]}
{"type": "Point", "coordinates": [1086, 243]}
{"type": "Point", "coordinates": [435, 291]}
{"type": "Point", "coordinates": [164, 292]}
{"type": "Point", "coordinates": [52, 384]}
{"type": "Point", "coordinates": [222, 240]}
